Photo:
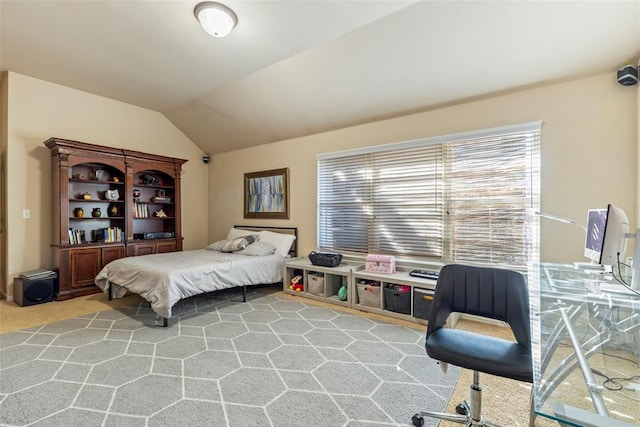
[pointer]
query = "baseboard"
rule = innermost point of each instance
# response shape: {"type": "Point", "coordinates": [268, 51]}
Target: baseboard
{"type": "Point", "coordinates": [3, 294]}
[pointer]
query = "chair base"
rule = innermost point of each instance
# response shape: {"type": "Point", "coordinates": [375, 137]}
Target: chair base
{"type": "Point", "coordinates": [468, 414]}
{"type": "Point", "coordinates": [418, 419]}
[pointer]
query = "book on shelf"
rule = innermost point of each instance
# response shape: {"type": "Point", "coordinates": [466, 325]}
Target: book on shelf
{"type": "Point", "coordinates": [76, 236]}
{"type": "Point", "coordinates": [107, 235]}
{"type": "Point", "coordinates": [140, 210]}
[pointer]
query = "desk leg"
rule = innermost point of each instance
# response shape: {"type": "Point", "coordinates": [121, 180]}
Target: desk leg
{"type": "Point", "coordinates": [595, 390]}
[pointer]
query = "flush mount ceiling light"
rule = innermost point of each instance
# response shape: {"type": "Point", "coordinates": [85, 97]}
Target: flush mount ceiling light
{"type": "Point", "coordinates": [216, 19]}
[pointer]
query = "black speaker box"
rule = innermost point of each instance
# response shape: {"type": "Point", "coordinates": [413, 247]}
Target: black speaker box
{"type": "Point", "coordinates": [33, 291]}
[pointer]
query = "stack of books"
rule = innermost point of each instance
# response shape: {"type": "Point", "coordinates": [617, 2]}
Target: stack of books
{"type": "Point", "coordinates": [140, 210]}
{"type": "Point", "coordinates": [107, 235]}
{"type": "Point", "coordinates": [76, 236]}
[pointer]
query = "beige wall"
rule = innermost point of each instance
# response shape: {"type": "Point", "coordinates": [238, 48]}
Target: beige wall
{"type": "Point", "coordinates": [589, 157]}
{"type": "Point", "coordinates": [38, 110]}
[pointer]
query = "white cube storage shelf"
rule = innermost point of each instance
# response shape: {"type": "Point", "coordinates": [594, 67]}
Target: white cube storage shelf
{"type": "Point", "coordinates": [366, 291]}
{"type": "Point", "coordinates": [320, 283]}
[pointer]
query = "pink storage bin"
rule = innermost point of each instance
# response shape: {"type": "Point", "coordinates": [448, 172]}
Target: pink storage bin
{"type": "Point", "coordinates": [383, 264]}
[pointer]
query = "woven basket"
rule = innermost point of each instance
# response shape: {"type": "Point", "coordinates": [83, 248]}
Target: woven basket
{"type": "Point", "coordinates": [325, 259]}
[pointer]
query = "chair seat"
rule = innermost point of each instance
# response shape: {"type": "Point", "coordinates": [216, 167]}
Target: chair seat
{"type": "Point", "coordinates": [481, 353]}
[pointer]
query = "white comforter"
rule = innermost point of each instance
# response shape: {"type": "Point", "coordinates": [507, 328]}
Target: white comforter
{"type": "Point", "coordinates": [164, 279]}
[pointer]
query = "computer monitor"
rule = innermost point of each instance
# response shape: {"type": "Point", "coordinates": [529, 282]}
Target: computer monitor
{"type": "Point", "coordinates": [606, 235]}
{"type": "Point", "coordinates": [596, 223]}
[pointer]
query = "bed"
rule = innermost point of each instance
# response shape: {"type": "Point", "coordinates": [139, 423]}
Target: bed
{"type": "Point", "coordinates": [248, 256]}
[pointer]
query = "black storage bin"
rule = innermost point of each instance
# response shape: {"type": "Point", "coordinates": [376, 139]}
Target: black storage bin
{"type": "Point", "coordinates": [422, 300]}
{"type": "Point", "coordinates": [400, 302]}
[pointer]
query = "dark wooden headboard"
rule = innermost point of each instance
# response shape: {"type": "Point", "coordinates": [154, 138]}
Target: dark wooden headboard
{"type": "Point", "coordinates": [293, 252]}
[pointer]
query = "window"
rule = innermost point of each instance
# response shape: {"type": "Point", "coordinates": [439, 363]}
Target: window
{"type": "Point", "coordinates": [458, 198]}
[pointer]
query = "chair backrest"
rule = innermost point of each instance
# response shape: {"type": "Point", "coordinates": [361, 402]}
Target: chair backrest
{"type": "Point", "coordinates": [494, 293]}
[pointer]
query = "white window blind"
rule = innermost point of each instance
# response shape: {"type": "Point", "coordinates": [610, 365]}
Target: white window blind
{"type": "Point", "coordinates": [492, 185]}
{"type": "Point", "coordinates": [458, 198]}
{"type": "Point", "coordinates": [384, 202]}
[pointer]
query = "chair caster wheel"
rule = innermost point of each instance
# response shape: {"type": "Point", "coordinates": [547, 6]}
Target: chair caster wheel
{"type": "Point", "coordinates": [417, 420]}
{"type": "Point", "coordinates": [461, 409]}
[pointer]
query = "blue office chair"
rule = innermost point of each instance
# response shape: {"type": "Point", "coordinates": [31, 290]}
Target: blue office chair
{"type": "Point", "coordinates": [487, 292]}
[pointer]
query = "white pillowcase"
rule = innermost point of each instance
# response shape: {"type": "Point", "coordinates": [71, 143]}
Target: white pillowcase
{"type": "Point", "coordinates": [282, 242]}
{"type": "Point", "coordinates": [217, 246]}
{"type": "Point", "coordinates": [234, 233]}
{"type": "Point", "coordinates": [258, 249]}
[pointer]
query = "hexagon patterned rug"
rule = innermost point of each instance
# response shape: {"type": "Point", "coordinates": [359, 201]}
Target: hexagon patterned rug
{"type": "Point", "coordinates": [221, 362]}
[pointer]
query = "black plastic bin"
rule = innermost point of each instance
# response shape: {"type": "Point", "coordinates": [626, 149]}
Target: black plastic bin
{"type": "Point", "coordinates": [397, 301]}
{"type": "Point", "coordinates": [422, 300]}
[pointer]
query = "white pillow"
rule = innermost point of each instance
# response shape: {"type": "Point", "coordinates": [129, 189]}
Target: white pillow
{"type": "Point", "coordinates": [258, 249]}
{"type": "Point", "coordinates": [282, 242]}
{"type": "Point", "coordinates": [238, 244]}
{"type": "Point", "coordinates": [217, 246]}
{"type": "Point", "coordinates": [234, 233]}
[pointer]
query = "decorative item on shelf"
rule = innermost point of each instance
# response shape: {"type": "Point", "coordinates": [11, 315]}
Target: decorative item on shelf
{"type": "Point", "coordinates": [381, 264]}
{"type": "Point", "coordinates": [160, 213]}
{"type": "Point", "coordinates": [149, 179]}
{"type": "Point", "coordinates": [112, 195]}
{"type": "Point", "coordinates": [136, 195]}
{"type": "Point", "coordinates": [79, 175]}
{"type": "Point", "coordinates": [161, 199]}
{"type": "Point", "coordinates": [113, 210]}
{"type": "Point", "coordinates": [116, 179]}
{"type": "Point", "coordinates": [99, 174]}
{"type": "Point", "coordinates": [296, 283]}
{"type": "Point", "coordinates": [342, 292]}
{"type": "Point", "coordinates": [160, 193]}
{"type": "Point", "coordinates": [78, 212]}
{"type": "Point", "coordinates": [86, 196]}
{"type": "Point", "coordinates": [96, 213]}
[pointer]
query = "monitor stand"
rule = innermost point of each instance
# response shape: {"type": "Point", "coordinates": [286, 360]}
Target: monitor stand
{"type": "Point", "coordinates": [588, 265]}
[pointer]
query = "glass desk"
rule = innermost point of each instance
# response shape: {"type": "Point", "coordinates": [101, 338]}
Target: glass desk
{"type": "Point", "coordinates": [586, 347]}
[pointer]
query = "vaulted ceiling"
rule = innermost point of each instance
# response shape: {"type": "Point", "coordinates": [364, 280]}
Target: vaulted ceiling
{"type": "Point", "coordinates": [297, 67]}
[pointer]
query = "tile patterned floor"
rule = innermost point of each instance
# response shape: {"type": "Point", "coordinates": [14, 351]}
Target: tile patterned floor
{"type": "Point", "coordinates": [221, 362]}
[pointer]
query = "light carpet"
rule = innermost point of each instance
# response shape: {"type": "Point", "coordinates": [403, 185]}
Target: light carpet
{"type": "Point", "coordinates": [221, 362]}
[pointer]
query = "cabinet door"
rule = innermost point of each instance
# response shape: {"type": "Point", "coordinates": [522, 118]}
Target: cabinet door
{"type": "Point", "coordinates": [144, 249]}
{"type": "Point", "coordinates": [85, 266]}
{"type": "Point", "coordinates": [111, 254]}
{"type": "Point", "coordinates": [164, 247]}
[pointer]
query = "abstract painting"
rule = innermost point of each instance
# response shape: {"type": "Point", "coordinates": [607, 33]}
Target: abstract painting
{"type": "Point", "coordinates": [266, 194]}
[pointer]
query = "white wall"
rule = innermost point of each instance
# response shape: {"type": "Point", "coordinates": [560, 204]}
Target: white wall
{"type": "Point", "coordinates": [38, 110]}
{"type": "Point", "coordinates": [589, 157]}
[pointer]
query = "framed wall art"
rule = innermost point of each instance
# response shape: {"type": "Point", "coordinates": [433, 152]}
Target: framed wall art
{"type": "Point", "coordinates": [266, 194]}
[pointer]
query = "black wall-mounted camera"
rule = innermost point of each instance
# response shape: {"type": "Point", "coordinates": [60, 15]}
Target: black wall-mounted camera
{"type": "Point", "coordinates": [628, 75]}
{"type": "Point", "coordinates": [205, 158]}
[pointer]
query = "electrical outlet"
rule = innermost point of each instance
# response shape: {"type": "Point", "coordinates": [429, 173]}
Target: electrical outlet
{"type": "Point", "coordinates": [26, 213]}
